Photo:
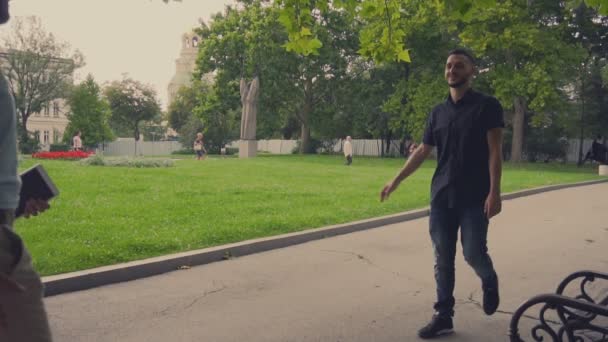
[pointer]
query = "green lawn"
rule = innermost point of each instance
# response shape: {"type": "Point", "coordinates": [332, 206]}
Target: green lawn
{"type": "Point", "coordinates": [108, 215]}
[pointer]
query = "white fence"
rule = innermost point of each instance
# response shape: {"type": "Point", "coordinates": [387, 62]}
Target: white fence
{"type": "Point", "coordinates": [276, 146]}
{"type": "Point", "coordinates": [144, 148]}
{"type": "Point", "coordinates": [572, 151]}
{"type": "Point", "coordinates": [373, 147]}
{"type": "Point", "coordinates": [361, 147]}
{"type": "Point", "coordinates": [369, 147]}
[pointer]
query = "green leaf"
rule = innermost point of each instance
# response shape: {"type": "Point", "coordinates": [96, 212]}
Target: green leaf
{"type": "Point", "coordinates": [404, 56]}
{"type": "Point", "coordinates": [305, 32]}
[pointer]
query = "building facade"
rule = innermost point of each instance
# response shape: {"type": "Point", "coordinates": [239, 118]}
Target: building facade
{"type": "Point", "coordinates": [49, 125]}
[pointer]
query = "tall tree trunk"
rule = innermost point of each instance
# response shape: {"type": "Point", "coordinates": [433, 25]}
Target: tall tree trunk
{"type": "Point", "coordinates": [136, 133]}
{"type": "Point", "coordinates": [389, 138]}
{"type": "Point", "coordinates": [23, 132]}
{"type": "Point", "coordinates": [582, 132]}
{"type": "Point", "coordinates": [519, 119]}
{"type": "Point", "coordinates": [305, 117]}
{"type": "Point", "coordinates": [305, 138]}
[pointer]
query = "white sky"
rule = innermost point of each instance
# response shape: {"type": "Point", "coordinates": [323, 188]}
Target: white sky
{"type": "Point", "coordinates": [138, 37]}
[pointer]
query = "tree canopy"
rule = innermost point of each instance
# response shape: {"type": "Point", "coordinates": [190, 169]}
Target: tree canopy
{"type": "Point", "coordinates": [374, 68]}
{"type": "Point", "coordinates": [89, 114]}
{"type": "Point", "coordinates": [131, 103]}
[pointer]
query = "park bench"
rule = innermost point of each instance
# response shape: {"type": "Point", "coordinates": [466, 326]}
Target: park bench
{"type": "Point", "coordinates": [579, 318]}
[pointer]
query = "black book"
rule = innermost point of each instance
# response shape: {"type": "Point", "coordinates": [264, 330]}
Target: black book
{"type": "Point", "coordinates": [35, 183]}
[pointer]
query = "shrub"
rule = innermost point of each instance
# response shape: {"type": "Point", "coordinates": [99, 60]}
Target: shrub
{"type": "Point", "coordinates": [232, 150]}
{"type": "Point", "coordinates": [313, 146]}
{"type": "Point", "coordinates": [127, 162]}
{"type": "Point", "coordinates": [59, 148]}
{"type": "Point", "coordinates": [185, 151]}
{"type": "Point", "coordinates": [29, 146]}
{"type": "Point", "coordinates": [94, 160]}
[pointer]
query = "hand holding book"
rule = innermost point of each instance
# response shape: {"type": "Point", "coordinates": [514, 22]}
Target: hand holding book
{"type": "Point", "coordinates": [36, 190]}
{"type": "Point", "coordinates": [35, 206]}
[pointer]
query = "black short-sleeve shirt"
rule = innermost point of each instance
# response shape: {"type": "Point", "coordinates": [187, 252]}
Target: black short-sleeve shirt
{"type": "Point", "coordinates": [459, 132]}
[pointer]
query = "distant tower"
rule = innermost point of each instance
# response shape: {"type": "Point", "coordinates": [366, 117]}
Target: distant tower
{"type": "Point", "coordinates": [184, 65]}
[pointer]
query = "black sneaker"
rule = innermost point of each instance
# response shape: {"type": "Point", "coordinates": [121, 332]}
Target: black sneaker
{"type": "Point", "coordinates": [491, 299]}
{"type": "Point", "coordinates": [439, 325]}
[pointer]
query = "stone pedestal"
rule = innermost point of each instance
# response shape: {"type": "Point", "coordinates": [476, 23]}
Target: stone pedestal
{"type": "Point", "coordinates": [248, 148]}
{"type": "Point", "coordinates": [603, 170]}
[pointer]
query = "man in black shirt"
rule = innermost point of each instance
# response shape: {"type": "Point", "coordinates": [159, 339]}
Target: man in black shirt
{"type": "Point", "coordinates": [466, 129]}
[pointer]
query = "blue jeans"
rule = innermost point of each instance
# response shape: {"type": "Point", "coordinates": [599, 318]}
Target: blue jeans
{"type": "Point", "coordinates": [444, 224]}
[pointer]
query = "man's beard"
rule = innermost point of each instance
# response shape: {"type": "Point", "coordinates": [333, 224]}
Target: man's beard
{"type": "Point", "coordinates": [459, 83]}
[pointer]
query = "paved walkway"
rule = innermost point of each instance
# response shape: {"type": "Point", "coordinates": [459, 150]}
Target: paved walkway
{"type": "Point", "coordinates": [375, 285]}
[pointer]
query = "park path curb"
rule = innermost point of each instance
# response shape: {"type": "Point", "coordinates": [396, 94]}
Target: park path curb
{"type": "Point", "coordinates": [106, 275]}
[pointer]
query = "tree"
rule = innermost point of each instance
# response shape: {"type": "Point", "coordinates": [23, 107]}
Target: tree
{"type": "Point", "coordinates": [420, 85]}
{"type": "Point", "coordinates": [248, 41]}
{"type": "Point", "coordinates": [38, 67]}
{"type": "Point", "coordinates": [197, 108]}
{"type": "Point", "coordinates": [131, 103]}
{"type": "Point", "coordinates": [89, 114]}
{"type": "Point", "coordinates": [187, 136]}
{"type": "Point", "coordinates": [243, 42]}
{"type": "Point", "coordinates": [589, 30]}
{"type": "Point", "coordinates": [182, 108]}
{"type": "Point", "coordinates": [219, 124]}
{"type": "Point", "coordinates": [518, 45]}
{"type": "Point", "coordinates": [524, 81]}
{"type": "Point", "coordinates": [381, 39]}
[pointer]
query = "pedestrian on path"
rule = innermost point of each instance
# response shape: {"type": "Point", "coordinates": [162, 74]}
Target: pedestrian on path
{"type": "Point", "coordinates": [348, 150]}
{"type": "Point", "coordinates": [465, 192]}
{"type": "Point", "coordinates": [22, 314]}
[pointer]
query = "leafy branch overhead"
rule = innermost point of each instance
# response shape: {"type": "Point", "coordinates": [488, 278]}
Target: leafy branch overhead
{"type": "Point", "coordinates": [382, 37]}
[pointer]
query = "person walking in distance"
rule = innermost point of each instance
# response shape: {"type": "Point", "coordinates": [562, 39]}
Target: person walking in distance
{"type": "Point", "coordinates": [348, 150]}
{"type": "Point", "coordinates": [199, 146]}
{"type": "Point", "coordinates": [77, 142]}
{"type": "Point", "coordinates": [22, 314]}
{"type": "Point", "coordinates": [466, 129]}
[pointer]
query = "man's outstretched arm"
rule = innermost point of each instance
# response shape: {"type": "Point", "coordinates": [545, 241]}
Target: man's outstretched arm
{"type": "Point", "coordinates": [412, 164]}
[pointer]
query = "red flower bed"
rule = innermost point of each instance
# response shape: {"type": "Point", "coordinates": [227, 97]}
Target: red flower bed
{"type": "Point", "coordinates": [70, 155]}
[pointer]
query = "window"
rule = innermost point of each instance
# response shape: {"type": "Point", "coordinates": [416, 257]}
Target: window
{"type": "Point", "coordinates": [194, 42]}
{"type": "Point", "coordinates": [37, 136]}
{"type": "Point", "coordinates": [46, 110]}
{"type": "Point", "coordinates": [56, 136]}
{"type": "Point", "coordinates": [56, 109]}
{"type": "Point", "coordinates": [46, 137]}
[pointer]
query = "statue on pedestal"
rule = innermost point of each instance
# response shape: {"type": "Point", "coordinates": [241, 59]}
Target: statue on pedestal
{"type": "Point", "coordinates": [250, 93]}
{"type": "Point", "coordinates": [249, 99]}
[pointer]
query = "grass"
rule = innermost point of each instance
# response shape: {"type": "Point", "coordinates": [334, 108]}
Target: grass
{"type": "Point", "coordinates": [108, 215]}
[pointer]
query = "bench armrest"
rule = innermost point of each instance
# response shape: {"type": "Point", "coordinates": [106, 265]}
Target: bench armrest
{"type": "Point", "coordinates": [568, 325]}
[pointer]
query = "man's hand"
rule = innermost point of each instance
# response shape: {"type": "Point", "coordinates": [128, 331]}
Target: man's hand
{"type": "Point", "coordinates": [387, 190]}
{"type": "Point", "coordinates": [493, 205]}
{"type": "Point", "coordinates": [33, 207]}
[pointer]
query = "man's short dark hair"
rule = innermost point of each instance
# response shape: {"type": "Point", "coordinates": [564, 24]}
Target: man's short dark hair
{"type": "Point", "coordinates": [463, 52]}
